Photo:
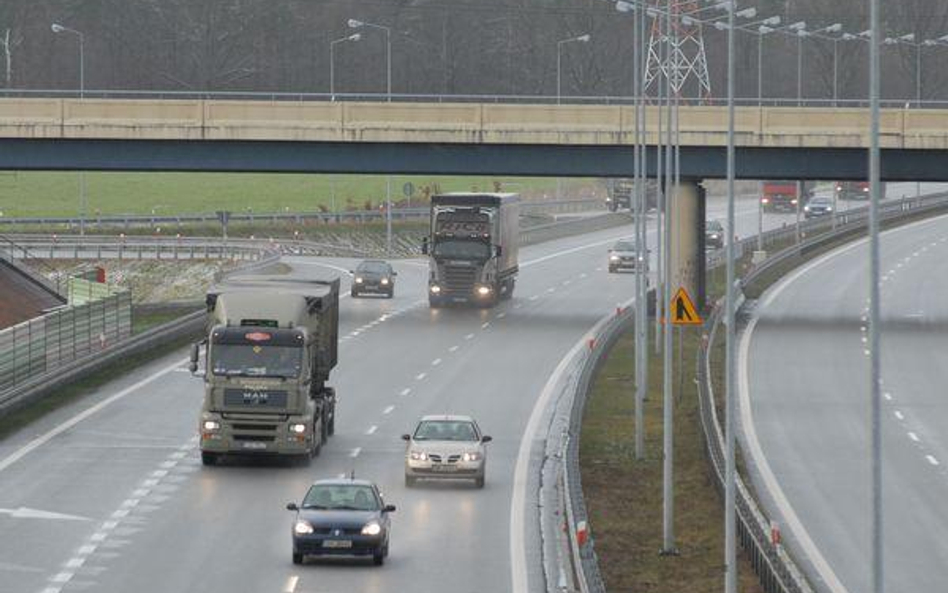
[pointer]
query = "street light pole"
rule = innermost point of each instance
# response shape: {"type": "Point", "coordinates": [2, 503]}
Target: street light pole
{"type": "Point", "coordinates": [559, 46]}
{"type": "Point", "coordinates": [876, 527]}
{"type": "Point", "coordinates": [83, 206]}
{"type": "Point", "coordinates": [332, 61]}
{"type": "Point", "coordinates": [355, 24]}
{"type": "Point", "coordinates": [730, 527]}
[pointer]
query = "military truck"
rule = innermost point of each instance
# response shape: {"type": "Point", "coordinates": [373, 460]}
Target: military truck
{"type": "Point", "coordinates": [472, 248]}
{"type": "Point", "coordinates": [621, 190]}
{"type": "Point", "coordinates": [271, 343]}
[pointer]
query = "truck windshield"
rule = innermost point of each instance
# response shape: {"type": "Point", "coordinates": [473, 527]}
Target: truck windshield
{"type": "Point", "coordinates": [256, 361]}
{"type": "Point", "coordinates": [458, 249]}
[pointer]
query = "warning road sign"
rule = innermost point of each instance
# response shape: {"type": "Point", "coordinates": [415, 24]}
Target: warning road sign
{"type": "Point", "coordinates": [683, 309]}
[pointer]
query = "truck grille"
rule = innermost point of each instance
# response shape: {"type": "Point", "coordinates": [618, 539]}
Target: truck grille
{"type": "Point", "coordinates": [261, 438]}
{"type": "Point", "coordinates": [459, 278]}
{"type": "Point", "coordinates": [254, 398]}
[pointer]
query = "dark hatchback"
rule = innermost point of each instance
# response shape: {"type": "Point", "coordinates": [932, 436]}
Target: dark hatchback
{"type": "Point", "coordinates": [714, 234]}
{"type": "Point", "coordinates": [341, 518]}
{"type": "Point", "coordinates": [819, 206]}
{"type": "Point", "coordinates": [623, 256]}
{"type": "Point", "coordinates": [373, 276]}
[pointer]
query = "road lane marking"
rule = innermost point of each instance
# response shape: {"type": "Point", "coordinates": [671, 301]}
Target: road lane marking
{"type": "Point", "coordinates": [372, 429]}
{"type": "Point", "coordinates": [46, 437]}
{"type": "Point", "coordinates": [913, 436]}
{"type": "Point", "coordinates": [420, 376]}
{"type": "Point", "coordinates": [355, 452]}
{"type": "Point", "coordinates": [435, 362]}
{"type": "Point", "coordinates": [388, 410]}
{"type": "Point", "coordinates": [501, 315]}
{"type": "Point", "coordinates": [453, 349]}
{"type": "Point", "coordinates": [899, 415]}
{"type": "Point", "coordinates": [887, 395]}
{"type": "Point", "coordinates": [291, 584]}
{"type": "Point", "coordinates": [931, 460]}
{"type": "Point", "coordinates": [405, 391]}
{"type": "Point", "coordinates": [468, 336]}
{"type": "Point", "coordinates": [75, 562]}
{"type": "Point", "coordinates": [518, 548]}
{"type": "Point", "coordinates": [485, 325]}
{"type": "Point", "coordinates": [534, 297]}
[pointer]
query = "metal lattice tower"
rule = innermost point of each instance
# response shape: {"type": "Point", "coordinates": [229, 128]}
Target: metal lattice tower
{"type": "Point", "coordinates": [687, 58]}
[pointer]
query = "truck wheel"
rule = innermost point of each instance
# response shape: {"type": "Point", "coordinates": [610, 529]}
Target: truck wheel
{"type": "Point", "coordinates": [323, 431]}
{"type": "Point", "coordinates": [378, 558]}
{"type": "Point", "coordinates": [331, 427]}
{"type": "Point", "coordinates": [613, 207]}
{"type": "Point", "coordinates": [208, 458]}
{"type": "Point", "coordinates": [353, 293]}
{"type": "Point", "coordinates": [508, 290]}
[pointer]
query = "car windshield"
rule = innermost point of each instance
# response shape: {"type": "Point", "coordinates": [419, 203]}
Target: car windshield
{"type": "Point", "coordinates": [342, 497]}
{"type": "Point", "coordinates": [624, 246]}
{"type": "Point", "coordinates": [256, 361]}
{"type": "Point", "coordinates": [714, 226]}
{"type": "Point", "coordinates": [373, 267]}
{"type": "Point", "coordinates": [445, 430]}
{"type": "Point", "coordinates": [457, 249]}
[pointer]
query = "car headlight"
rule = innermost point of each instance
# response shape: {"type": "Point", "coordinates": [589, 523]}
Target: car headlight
{"type": "Point", "coordinates": [384, 282]}
{"type": "Point", "coordinates": [806, 208]}
{"type": "Point", "coordinates": [483, 290]}
{"type": "Point", "coordinates": [714, 235]}
{"type": "Point", "coordinates": [418, 455]}
{"type": "Point", "coordinates": [372, 528]}
{"type": "Point", "coordinates": [472, 456]}
{"type": "Point", "coordinates": [435, 289]}
{"type": "Point", "coordinates": [298, 428]}
{"type": "Point", "coordinates": [613, 258]}
{"type": "Point", "coordinates": [211, 425]}
{"type": "Point", "coordinates": [302, 528]}
{"type": "Point", "coordinates": [358, 279]}
{"type": "Point", "coordinates": [793, 201]}
{"type": "Point", "coordinates": [829, 208]}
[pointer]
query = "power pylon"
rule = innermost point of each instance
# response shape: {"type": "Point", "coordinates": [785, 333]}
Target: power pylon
{"type": "Point", "coordinates": [687, 58]}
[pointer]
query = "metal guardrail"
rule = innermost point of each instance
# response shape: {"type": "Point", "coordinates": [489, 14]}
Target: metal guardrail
{"type": "Point", "coordinates": [349, 216]}
{"type": "Point", "coordinates": [904, 103]}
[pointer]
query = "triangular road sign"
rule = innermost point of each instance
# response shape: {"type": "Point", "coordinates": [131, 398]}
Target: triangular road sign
{"type": "Point", "coordinates": [683, 310]}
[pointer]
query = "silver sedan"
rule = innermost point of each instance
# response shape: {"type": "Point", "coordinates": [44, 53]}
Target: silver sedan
{"type": "Point", "coordinates": [446, 447]}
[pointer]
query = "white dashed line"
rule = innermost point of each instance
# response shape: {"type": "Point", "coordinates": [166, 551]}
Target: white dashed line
{"type": "Point", "coordinates": [119, 514]}
{"type": "Point", "coordinates": [899, 415]}
{"type": "Point", "coordinates": [355, 452]}
{"type": "Point", "coordinates": [85, 550]}
{"type": "Point", "coordinates": [468, 336]}
{"type": "Point", "coordinates": [485, 325]}
{"type": "Point", "coordinates": [63, 577]}
{"type": "Point", "coordinates": [420, 376]}
{"type": "Point", "coordinates": [887, 395]}
{"type": "Point", "coordinates": [405, 391]}
{"type": "Point", "coordinates": [534, 297]}
{"type": "Point", "coordinates": [501, 315]}
{"type": "Point", "coordinates": [388, 410]}
{"type": "Point", "coordinates": [291, 584]}
{"type": "Point", "coordinates": [931, 460]}
{"type": "Point", "coordinates": [453, 349]}
{"type": "Point", "coordinates": [551, 290]}
{"type": "Point", "coordinates": [75, 562]}
{"type": "Point", "coordinates": [372, 429]}
{"type": "Point", "coordinates": [913, 436]}
{"type": "Point", "coordinates": [435, 362]}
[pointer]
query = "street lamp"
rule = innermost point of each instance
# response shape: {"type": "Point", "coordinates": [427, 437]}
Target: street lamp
{"type": "Point", "coordinates": [584, 38]}
{"type": "Point", "coordinates": [57, 28]}
{"type": "Point", "coordinates": [356, 24]}
{"type": "Point", "coordinates": [332, 65]}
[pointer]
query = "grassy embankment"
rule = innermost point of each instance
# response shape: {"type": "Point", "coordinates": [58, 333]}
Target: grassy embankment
{"type": "Point", "coordinates": [45, 193]}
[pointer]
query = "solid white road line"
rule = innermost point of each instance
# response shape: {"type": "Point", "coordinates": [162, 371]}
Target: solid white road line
{"type": "Point", "coordinates": [46, 437]}
{"type": "Point", "coordinates": [291, 584]}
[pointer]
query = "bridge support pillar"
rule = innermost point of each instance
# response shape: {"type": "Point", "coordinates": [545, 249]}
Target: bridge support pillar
{"type": "Point", "coordinates": [686, 259]}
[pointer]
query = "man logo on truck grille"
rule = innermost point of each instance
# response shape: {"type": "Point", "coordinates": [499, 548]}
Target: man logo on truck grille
{"type": "Point", "coordinates": [256, 398]}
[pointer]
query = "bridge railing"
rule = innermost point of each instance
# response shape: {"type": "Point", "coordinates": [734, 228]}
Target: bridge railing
{"type": "Point", "coordinates": [903, 103]}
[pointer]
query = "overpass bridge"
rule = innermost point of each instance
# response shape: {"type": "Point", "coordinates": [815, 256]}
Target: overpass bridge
{"type": "Point", "coordinates": [477, 138]}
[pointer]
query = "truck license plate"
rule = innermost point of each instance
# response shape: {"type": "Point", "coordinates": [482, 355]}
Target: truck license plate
{"type": "Point", "coordinates": [337, 543]}
{"type": "Point", "coordinates": [254, 445]}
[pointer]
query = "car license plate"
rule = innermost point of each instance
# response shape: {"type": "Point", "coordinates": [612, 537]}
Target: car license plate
{"type": "Point", "coordinates": [254, 445]}
{"type": "Point", "coordinates": [443, 468]}
{"type": "Point", "coordinates": [337, 543]}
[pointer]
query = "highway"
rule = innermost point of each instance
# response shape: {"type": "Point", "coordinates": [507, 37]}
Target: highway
{"type": "Point", "coordinates": [805, 410]}
{"type": "Point", "coordinates": [108, 494]}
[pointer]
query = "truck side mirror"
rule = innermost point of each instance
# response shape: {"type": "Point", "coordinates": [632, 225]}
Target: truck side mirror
{"type": "Point", "coordinates": [195, 356]}
{"type": "Point", "coordinates": [424, 246]}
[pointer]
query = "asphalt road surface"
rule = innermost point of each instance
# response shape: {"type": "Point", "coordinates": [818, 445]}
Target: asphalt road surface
{"type": "Point", "coordinates": [806, 416]}
{"type": "Point", "coordinates": [108, 494]}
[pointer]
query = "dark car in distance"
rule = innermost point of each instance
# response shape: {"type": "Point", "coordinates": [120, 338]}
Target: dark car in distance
{"type": "Point", "coordinates": [818, 206]}
{"type": "Point", "coordinates": [714, 234]}
{"type": "Point", "coordinates": [341, 517]}
{"type": "Point", "coordinates": [373, 276]}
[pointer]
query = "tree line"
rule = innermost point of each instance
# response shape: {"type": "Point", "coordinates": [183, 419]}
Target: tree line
{"type": "Point", "coordinates": [448, 47]}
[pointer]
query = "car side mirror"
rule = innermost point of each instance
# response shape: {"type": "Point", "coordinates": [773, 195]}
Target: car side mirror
{"type": "Point", "coordinates": [291, 506]}
{"type": "Point", "coordinates": [389, 508]}
{"type": "Point", "coordinates": [394, 273]}
{"type": "Point", "coordinates": [486, 438]}
{"type": "Point", "coordinates": [352, 272]}
{"type": "Point", "coordinates": [424, 246]}
{"type": "Point", "coordinates": [498, 250]}
{"type": "Point", "coordinates": [406, 437]}
{"type": "Point", "coordinates": [195, 356]}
